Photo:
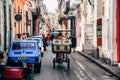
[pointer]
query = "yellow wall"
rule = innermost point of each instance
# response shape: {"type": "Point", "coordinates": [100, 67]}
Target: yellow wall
{"type": "Point", "coordinates": [19, 27]}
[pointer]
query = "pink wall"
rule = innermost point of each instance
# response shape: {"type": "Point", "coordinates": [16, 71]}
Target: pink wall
{"type": "Point", "coordinates": [78, 31]}
{"type": "Point", "coordinates": [118, 29]}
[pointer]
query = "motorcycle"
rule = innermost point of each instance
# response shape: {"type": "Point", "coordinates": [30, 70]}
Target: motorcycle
{"type": "Point", "coordinates": [15, 70]}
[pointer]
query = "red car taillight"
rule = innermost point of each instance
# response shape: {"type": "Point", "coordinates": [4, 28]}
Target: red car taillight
{"type": "Point", "coordinates": [30, 65]}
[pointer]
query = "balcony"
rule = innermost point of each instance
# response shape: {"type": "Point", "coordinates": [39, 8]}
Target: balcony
{"type": "Point", "coordinates": [33, 7]}
{"type": "Point", "coordinates": [74, 3]}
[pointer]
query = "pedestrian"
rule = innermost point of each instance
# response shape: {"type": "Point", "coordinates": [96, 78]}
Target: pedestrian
{"type": "Point", "coordinates": [1, 56]}
{"type": "Point", "coordinates": [52, 34]}
{"type": "Point", "coordinates": [24, 36]}
{"type": "Point", "coordinates": [28, 35]}
{"type": "Point", "coordinates": [45, 42]}
{"type": "Point", "coordinates": [48, 39]}
{"type": "Point", "coordinates": [73, 41]}
{"type": "Point", "coordinates": [60, 36]}
{"type": "Point", "coordinates": [19, 36]}
{"type": "Point", "coordinates": [1, 66]}
{"type": "Point", "coordinates": [16, 37]}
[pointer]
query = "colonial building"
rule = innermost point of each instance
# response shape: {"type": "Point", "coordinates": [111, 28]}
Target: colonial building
{"type": "Point", "coordinates": [18, 17]}
{"type": "Point", "coordinates": [99, 24]}
{"type": "Point", "coordinates": [26, 13]}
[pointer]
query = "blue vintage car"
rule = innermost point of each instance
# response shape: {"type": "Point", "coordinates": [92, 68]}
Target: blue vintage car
{"type": "Point", "coordinates": [26, 51]}
{"type": "Point", "coordinates": [40, 42]}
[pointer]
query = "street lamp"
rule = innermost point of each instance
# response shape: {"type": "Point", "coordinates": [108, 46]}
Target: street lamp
{"type": "Point", "coordinates": [4, 1]}
{"type": "Point", "coordinates": [91, 2]}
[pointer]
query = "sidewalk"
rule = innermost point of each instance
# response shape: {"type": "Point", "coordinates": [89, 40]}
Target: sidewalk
{"type": "Point", "coordinates": [114, 70]}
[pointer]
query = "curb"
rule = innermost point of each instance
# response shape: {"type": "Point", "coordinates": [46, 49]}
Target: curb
{"type": "Point", "coordinates": [99, 64]}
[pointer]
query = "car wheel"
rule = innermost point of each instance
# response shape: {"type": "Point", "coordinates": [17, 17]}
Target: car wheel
{"type": "Point", "coordinates": [39, 67]}
{"type": "Point", "coordinates": [68, 64]}
{"type": "Point", "coordinates": [42, 54]}
{"type": "Point", "coordinates": [54, 63]}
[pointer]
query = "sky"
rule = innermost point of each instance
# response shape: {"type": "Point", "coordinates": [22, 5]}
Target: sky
{"type": "Point", "coordinates": [51, 5]}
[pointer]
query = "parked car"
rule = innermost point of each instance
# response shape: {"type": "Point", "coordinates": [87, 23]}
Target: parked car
{"type": "Point", "coordinates": [38, 36]}
{"type": "Point", "coordinates": [40, 42]}
{"type": "Point", "coordinates": [26, 51]}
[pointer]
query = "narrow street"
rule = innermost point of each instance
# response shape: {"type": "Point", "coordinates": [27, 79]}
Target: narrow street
{"type": "Point", "coordinates": [81, 69]}
{"type": "Point", "coordinates": [90, 26]}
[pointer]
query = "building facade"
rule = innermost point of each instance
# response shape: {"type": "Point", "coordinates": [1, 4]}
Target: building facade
{"type": "Point", "coordinates": [5, 23]}
{"type": "Point", "coordinates": [18, 17]}
{"type": "Point", "coordinates": [99, 24]}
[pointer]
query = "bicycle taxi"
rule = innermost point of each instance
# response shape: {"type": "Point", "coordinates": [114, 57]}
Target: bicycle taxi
{"type": "Point", "coordinates": [61, 48]}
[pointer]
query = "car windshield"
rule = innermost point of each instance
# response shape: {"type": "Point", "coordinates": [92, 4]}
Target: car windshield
{"type": "Point", "coordinates": [40, 37]}
{"type": "Point", "coordinates": [24, 45]}
{"type": "Point", "coordinates": [36, 40]}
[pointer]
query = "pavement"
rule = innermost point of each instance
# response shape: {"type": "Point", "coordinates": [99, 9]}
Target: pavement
{"type": "Point", "coordinates": [111, 70]}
